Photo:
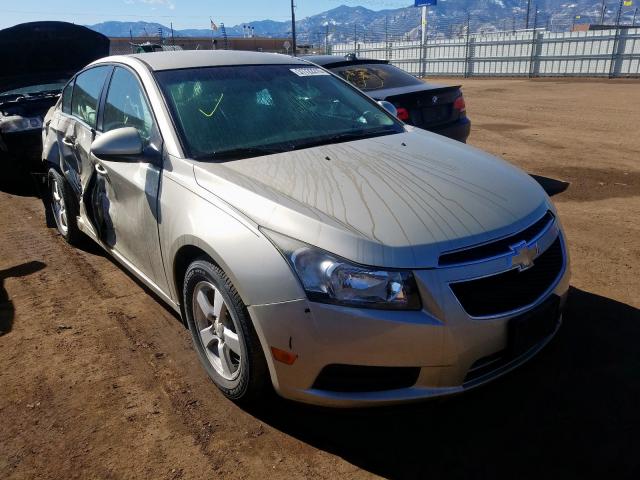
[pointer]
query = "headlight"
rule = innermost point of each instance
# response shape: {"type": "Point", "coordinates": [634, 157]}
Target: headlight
{"type": "Point", "coordinates": [19, 124]}
{"type": "Point", "coordinates": [328, 278]}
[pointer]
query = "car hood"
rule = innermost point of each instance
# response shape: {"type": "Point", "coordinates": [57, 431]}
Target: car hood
{"type": "Point", "coordinates": [394, 201]}
{"type": "Point", "coordinates": [36, 52]}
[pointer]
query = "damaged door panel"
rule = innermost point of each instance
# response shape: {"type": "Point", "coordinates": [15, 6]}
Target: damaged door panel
{"type": "Point", "coordinates": [124, 190]}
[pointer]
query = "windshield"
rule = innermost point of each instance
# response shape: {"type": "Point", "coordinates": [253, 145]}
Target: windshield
{"type": "Point", "coordinates": [239, 111]}
{"type": "Point", "coordinates": [376, 76]}
{"type": "Point", "coordinates": [37, 89]}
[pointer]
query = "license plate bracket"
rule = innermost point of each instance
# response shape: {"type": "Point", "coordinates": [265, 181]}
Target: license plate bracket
{"type": "Point", "coordinates": [525, 331]}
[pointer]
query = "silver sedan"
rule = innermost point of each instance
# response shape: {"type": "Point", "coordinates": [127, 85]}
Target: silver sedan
{"type": "Point", "coordinates": [311, 242]}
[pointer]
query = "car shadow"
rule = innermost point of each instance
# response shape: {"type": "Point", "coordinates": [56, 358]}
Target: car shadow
{"type": "Point", "coordinates": [7, 310]}
{"type": "Point", "coordinates": [551, 185]}
{"type": "Point", "coordinates": [15, 181]}
{"type": "Point", "coordinates": [571, 411]}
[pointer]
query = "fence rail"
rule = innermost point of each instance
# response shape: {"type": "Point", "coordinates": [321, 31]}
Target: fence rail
{"type": "Point", "coordinates": [529, 53]}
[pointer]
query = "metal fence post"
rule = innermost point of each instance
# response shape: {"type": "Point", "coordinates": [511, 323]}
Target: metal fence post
{"type": "Point", "coordinates": [616, 41]}
{"type": "Point", "coordinates": [534, 43]}
{"type": "Point", "coordinates": [467, 49]}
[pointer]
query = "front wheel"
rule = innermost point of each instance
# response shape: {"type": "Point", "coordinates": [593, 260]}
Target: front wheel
{"type": "Point", "coordinates": [223, 334]}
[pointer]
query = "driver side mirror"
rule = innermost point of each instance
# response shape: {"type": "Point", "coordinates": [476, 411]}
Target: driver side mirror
{"type": "Point", "coordinates": [389, 107]}
{"type": "Point", "coordinates": [118, 145]}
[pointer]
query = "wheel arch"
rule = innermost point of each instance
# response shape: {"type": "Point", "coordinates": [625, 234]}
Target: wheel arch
{"type": "Point", "coordinates": [185, 256]}
{"type": "Point", "coordinates": [51, 156]}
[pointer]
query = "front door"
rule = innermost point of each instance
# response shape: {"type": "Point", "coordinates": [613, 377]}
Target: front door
{"type": "Point", "coordinates": [125, 194]}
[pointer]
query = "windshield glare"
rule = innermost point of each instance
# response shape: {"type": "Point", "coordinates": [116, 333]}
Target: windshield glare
{"type": "Point", "coordinates": [262, 109]}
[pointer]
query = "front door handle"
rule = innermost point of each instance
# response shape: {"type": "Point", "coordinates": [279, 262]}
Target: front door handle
{"type": "Point", "coordinates": [69, 142]}
{"type": "Point", "coordinates": [100, 169]}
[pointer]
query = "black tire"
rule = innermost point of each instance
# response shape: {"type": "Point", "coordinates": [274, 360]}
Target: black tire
{"type": "Point", "coordinates": [253, 381]}
{"type": "Point", "coordinates": [70, 232]}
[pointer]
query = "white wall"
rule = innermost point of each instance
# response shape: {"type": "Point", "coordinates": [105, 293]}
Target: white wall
{"type": "Point", "coordinates": [513, 54]}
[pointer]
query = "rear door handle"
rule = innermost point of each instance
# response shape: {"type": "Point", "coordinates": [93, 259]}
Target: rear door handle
{"type": "Point", "coordinates": [69, 142]}
{"type": "Point", "coordinates": [100, 169]}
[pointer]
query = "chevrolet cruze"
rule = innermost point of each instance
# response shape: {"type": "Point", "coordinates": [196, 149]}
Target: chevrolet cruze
{"type": "Point", "coordinates": [310, 240]}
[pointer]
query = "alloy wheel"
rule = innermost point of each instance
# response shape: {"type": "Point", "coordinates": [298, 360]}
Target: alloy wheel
{"type": "Point", "coordinates": [59, 207]}
{"type": "Point", "coordinates": [217, 330]}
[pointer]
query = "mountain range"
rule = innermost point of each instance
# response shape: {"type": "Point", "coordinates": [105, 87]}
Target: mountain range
{"type": "Point", "coordinates": [447, 18]}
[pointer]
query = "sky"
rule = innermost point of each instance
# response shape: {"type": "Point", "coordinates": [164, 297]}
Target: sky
{"type": "Point", "coordinates": [183, 13]}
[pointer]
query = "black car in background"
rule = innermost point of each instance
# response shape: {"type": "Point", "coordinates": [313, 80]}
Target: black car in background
{"type": "Point", "coordinates": [36, 61]}
{"type": "Point", "coordinates": [437, 108]}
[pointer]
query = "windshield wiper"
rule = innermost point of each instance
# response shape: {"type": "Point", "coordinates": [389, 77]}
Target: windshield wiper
{"type": "Point", "coordinates": [244, 152]}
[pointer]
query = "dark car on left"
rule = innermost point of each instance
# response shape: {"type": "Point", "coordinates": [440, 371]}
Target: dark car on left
{"type": "Point", "coordinates": [36, 61]}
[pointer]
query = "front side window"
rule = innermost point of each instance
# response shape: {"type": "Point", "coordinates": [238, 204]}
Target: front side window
{"type": "Point", "coordinates": [86, 93]}
{"type": "Point", "coordinates": [238, 111]}
{"type": "Point", "coordinates": [126, 105]}
{"type": "Point", "coordinates": [376, 76]}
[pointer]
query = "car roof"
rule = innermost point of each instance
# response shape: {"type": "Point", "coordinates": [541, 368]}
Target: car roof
{"type": "Point", "coordinates": [333, 61]}
{"type": "Point", "coordinates": [174, 60]}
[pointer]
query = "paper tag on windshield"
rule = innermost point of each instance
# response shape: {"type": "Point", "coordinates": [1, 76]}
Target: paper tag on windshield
{"type": "Point", "coordinates": [308, 71]}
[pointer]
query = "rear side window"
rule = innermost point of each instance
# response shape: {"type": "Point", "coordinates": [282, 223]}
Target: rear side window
{"type": "Point", "coordinates": [66, 97]}
{"type": "Point", "coordinates": [86, 94]}
{"type": "Point", "coordinates": [126, 105]}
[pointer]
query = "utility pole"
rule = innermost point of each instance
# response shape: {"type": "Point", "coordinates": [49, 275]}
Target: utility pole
{"type": "Point", "coordinates": [467, 51]}
{"type": "Point", "coordinates": [326, 40]}
{"type": "Point", "coordinates": [528, 9]}
{"type": "Point", "coordinates": [424, 25]}
{"type": "Point", "coordinates": [619, 13]}
{"type": "Point", "coordinates": [386, 37]}
{"type": "Point", "coordinates": [423, 48]}
{"type": "Point", "coordinates": [386, 29]}
{"type": "Point", "coordinates": [173, 39]}
{"type": "Point", "coordinates": [603, 10]}
{"type": "Point", "coordinates": [355, 38]}
{"type": "Point", "coordinates": [635, 14]}
{"type": "Point", "coordinates": [293, 28]}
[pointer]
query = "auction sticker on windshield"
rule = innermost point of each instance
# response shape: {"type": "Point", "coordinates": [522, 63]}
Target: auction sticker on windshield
{"type": "Point", "coordinates": [308, 71]}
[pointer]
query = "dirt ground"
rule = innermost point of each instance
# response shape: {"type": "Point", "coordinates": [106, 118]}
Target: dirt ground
{"type": "Point", "coordinates": [99, 380]}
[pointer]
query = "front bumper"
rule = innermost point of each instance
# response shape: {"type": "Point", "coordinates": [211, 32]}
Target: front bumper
{"type": "Point", "coordinates": [441, 339]}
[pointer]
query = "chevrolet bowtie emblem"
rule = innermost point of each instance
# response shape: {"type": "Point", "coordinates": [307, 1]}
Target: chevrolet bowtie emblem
{"type": "Point", "coordinates": [523, 255]}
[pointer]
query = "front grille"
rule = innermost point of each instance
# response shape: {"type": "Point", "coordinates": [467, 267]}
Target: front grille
{"type": "Point", "coordinates": [510, 290]}
{"type": "Point", "coordinates": [496, 248]}
{"type": "Point", "coordinates": [358, 378]}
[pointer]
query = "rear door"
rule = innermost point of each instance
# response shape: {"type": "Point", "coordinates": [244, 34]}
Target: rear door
{"type": "Point", "coordinates": [124, 194]}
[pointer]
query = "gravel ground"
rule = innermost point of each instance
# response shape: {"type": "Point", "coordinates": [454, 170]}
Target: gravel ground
{"type": "Point", "coordinates": [99, 380]}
